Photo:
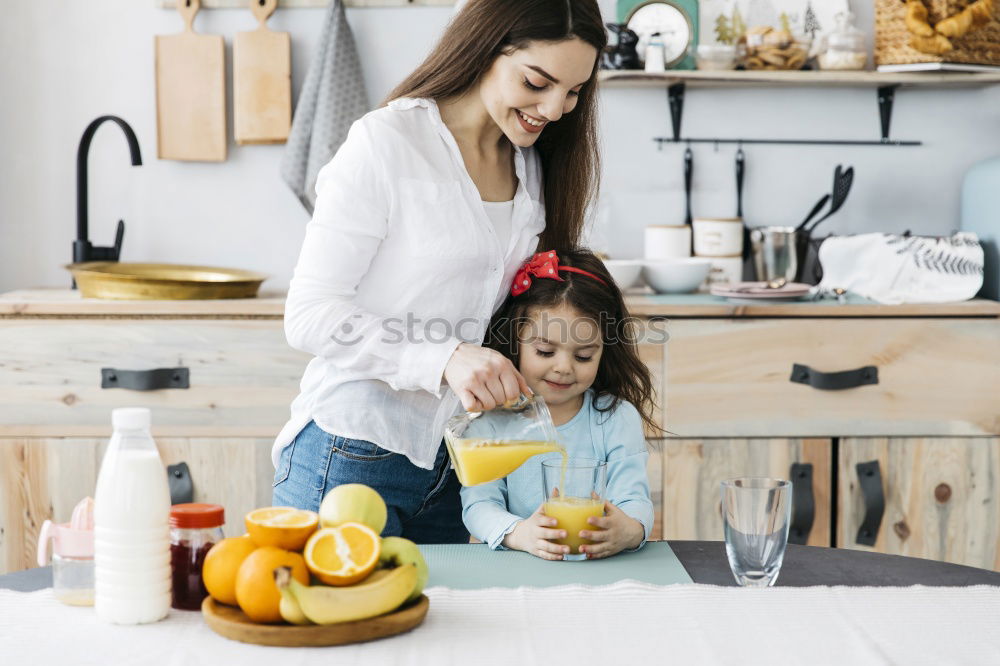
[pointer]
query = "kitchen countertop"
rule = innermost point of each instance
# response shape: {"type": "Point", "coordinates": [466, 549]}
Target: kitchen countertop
{"type": "Point", "coordinates": [270, 305]}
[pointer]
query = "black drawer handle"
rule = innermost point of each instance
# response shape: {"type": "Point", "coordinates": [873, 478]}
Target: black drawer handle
{"type": "Point", "coordinates": [145, 380]}
{"type": "Point", "coordinates": [803, 503]}
{"type": "Point", "coordinates": [181, 485]}
{"type": "Point", "coordinates": [870, 480]}
{"type": "Point", "coordinates": [834, 381]}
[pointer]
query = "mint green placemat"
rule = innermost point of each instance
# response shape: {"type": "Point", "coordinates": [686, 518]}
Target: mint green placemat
{"type": "Point", "coordinates": [475, 566]}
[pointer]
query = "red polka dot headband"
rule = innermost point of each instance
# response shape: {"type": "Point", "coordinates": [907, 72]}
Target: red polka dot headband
{"type": "Point", "coordinates": [543, 265]}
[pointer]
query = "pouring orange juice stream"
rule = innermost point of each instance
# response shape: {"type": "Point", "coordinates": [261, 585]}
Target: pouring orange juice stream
{"type": "Point", "coordinates": [482, 459]}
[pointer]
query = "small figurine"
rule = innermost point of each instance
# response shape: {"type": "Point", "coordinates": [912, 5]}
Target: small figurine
{"type": "Point", "coordinates": [623, 55]}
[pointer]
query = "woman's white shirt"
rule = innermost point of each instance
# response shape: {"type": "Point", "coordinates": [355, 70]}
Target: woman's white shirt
{"type": "Point", "coordinates": [400, 264]}
{"type": "Point", "coordinates": [501, 214]}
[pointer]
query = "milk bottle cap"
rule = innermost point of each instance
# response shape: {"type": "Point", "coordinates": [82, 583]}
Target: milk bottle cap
{"type": "Point", "coordinates": [130, 418]}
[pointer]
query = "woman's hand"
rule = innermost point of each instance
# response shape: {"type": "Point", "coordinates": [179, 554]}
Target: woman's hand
{"type": "Point", "coordinates": [483, 378]}
{"type": "Point", "coordinates": [533, 534]}
{"type": "Point", "coordinates": [617, 532]}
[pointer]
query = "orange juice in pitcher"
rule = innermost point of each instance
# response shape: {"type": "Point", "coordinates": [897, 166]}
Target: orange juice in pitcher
{"type": "Point", "coordinates": [485, 446]}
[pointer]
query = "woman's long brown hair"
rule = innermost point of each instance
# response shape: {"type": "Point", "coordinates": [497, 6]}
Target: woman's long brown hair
{"type": "Point", "coordinates": [569, 151]}
{"type": "Point", "coordinates": [621, 374]}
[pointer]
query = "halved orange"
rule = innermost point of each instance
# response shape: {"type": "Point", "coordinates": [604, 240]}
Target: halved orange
{"type": "Point", "coordinates": [343, 555]}
{"type": "Point", "coordinates": [281, 526]}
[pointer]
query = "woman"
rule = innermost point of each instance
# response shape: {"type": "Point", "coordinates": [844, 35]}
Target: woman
{"type": "Point", "coordinates": [422, 217]}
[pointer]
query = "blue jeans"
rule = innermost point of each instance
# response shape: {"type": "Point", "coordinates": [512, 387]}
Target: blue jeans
{"type": "Point", "coordinates": [423, 505]}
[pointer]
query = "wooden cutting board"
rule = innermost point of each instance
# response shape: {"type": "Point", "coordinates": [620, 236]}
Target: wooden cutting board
{"type": "Point", "coordinates": [234, 624]}
{"type": "Point", "coordinates": [262, 80]}
{"type": "Point", "coordinates": [190, 92]}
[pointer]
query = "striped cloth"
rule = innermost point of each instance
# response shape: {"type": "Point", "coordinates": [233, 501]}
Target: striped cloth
{"type": "Point", "coordinates": [624, 623]}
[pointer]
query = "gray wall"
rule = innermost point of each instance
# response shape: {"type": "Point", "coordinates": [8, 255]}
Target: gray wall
{"type": "Point", "coordinates": [69, 62]}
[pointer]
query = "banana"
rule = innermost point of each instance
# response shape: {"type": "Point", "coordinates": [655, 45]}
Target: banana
{"type": "Point", "coordinates": [383, 591]}
{"type": "Point", "coordinates": [289, 609]}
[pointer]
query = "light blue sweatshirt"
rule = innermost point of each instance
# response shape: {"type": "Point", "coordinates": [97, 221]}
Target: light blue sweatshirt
{"type": "Point", "coordinates": [491, 510]}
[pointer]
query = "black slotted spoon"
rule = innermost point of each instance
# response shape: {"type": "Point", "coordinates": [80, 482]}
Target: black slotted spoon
{"type": "Point", "coordinates": [841, 188]}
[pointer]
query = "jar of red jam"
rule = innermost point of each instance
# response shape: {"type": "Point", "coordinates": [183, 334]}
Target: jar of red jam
{"type": "Point", "coordinates": [194, 529]}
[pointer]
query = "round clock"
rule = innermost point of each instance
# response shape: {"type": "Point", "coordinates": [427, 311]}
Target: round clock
{"type": "Point", "coordinates": [672, 20]}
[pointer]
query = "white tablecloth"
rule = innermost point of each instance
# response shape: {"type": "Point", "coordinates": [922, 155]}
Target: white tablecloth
{"type": "Point", "coordinates": [614, 625]}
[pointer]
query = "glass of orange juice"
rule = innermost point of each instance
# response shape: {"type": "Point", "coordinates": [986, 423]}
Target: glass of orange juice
{"type": "Point", "coordinates": [574, 491]}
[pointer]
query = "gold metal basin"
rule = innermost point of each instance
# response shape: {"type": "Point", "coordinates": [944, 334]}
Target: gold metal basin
{"type": "Point", "coordinates": [163, 282]}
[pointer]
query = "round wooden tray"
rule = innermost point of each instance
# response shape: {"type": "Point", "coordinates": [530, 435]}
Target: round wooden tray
{"type": "Point", "coordinates": [232, 623]}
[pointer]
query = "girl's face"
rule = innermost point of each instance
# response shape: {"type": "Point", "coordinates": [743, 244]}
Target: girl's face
{"type": "Point", "coordinates": [559, 353]}
{"type": "Point", "coordinates": [535, 85]}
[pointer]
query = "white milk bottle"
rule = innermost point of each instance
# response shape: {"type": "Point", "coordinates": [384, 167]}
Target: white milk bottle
{"type": "Point", "coordinates": [131, 534]}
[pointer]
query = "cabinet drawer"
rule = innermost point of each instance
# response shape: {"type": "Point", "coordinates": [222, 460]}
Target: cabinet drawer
{"type": "Point", "coordinates": [242, 375]}
{"type": "Point", "coordinates": [730, 378]}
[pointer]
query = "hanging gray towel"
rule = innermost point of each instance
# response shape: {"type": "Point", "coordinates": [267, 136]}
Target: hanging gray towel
{"type": "Point", "coordinates": [332, 98]}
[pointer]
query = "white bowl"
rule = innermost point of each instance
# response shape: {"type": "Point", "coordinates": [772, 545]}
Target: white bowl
{"type": "Point", "coordinates": [676, 276]}
{"type": "Point", "coordinates": [626, 272]}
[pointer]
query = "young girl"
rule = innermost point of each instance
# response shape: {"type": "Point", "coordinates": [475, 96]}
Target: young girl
{"type": "Point", "coordinates": [565, 327]}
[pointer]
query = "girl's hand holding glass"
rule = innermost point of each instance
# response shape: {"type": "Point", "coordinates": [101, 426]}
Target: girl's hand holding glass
{"type": "Point", "coordinates": [534, 534]}
{"type": "Point", "coordinates": [617, 531]}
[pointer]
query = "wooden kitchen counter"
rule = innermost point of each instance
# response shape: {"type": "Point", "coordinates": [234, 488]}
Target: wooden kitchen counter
{"type": "Point", "coordinates": [271, 305]}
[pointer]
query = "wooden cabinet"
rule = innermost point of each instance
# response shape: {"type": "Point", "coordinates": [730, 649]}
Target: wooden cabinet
{"type": "Point", "coordinates": [723, 381]}
{"type": "Point", "coordinates": [931, 420]}
{"type": "Point", "coordinates": [940, 497]}
{"type": "Point", "coordinates": [55, 413]}
{"type": "Point", "coordinates": [43, 479]}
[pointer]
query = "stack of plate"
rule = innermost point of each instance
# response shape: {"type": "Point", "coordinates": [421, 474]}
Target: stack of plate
{"type": "Point", "coordinates": [760, 291]}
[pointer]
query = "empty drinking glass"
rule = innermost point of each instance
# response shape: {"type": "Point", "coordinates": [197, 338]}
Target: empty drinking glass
{"type": "Point", "coordinates": [755, 517]}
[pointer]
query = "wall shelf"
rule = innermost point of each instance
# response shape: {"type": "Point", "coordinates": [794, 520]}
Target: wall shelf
{"type": "Point", "coordinates": [677, 82]}
{"type": "Point", "coordinates": [803, 79]}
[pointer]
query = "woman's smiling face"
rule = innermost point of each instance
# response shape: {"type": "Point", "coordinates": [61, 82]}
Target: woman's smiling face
{"type": "Point", "coordinates": [536, 85]}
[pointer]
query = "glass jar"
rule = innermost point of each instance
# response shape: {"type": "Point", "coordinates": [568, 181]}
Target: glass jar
{"type": "Point", "coordinates": [763, 47]}
{"type": "Point", "coordinates": [844, 48]}
{"type": "Point", "coordinates": [194, 529]}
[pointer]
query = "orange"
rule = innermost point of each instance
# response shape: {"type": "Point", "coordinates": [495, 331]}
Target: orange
{"type": "Point", "coordinates": [256, 591]}
{"type": "Point", "coordinates": [343, 555]}
{"type": "Point", "coordinates": [221, 565]}
{"type": "Point", "coordinates": [281, 526]}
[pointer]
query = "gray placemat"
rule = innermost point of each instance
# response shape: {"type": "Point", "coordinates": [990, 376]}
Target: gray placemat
{"type": "Point", "coordinates": [475, 566]}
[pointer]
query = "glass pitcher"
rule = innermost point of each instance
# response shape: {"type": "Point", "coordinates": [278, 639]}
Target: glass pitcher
{"type": "Point", "coordinates": [485, 446]}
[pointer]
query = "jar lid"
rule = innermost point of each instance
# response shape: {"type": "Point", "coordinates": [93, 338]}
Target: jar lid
{"type": "Point", "coordinates": [194, 515]}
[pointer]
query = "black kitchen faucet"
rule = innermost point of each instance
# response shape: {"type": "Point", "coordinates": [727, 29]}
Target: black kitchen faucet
{"type": "Point", "coordinates": [83, 250]}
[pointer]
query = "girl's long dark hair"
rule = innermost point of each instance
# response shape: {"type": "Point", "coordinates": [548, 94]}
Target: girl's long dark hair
{"type": "Point", "coordinates": [569, 148]}
{"type": "Point", "coordinates": [621, 374]}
